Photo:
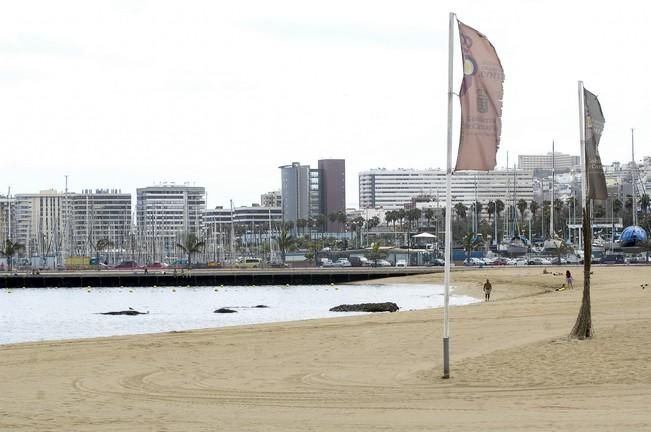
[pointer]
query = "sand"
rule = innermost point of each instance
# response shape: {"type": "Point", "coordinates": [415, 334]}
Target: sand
{"type": "Point", "coordinates": [513, 368]}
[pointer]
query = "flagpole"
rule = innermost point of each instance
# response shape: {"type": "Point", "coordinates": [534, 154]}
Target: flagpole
{"type": "Point", "coordinates": [448, 207]}
{"type": "Point", "coordinates": [584, 174]}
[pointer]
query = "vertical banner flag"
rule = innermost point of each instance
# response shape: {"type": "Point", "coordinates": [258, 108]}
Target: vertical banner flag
{"type": "Point", "coordinates": [594, 125]}
{"type": "Point", "coordinates": [481, 102]}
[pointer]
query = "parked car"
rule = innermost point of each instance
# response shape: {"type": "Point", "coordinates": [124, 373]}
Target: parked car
{"type": "Point", "coordinates": [613, 259]}
{"type": "Point", "coordinates": [539, 261]}
{"type": "Point", "coordinates": [401, 263]}
{"type": "Point", "coordinates": [359, 261]}
{"type": "Point", "coordinates": [343, 262]}
{"type": "Point", "coordinates": [127, 265]}
{"type": "Point", "coordinates": [157, 265]}
{"type": "Point", "coordinates": [380, 263]}
{"type": "Point", "coordinates": [471, 261]}
{"type": "Point", "coordinates": [501, 261]}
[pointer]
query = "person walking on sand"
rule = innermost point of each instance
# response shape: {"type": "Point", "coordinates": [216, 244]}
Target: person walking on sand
{"type": "Point", "coordinates": [487, 290]}
{"type": "Point", "coordinates": [568, 279]}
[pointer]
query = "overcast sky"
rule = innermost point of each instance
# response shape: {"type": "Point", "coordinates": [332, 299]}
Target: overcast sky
{"type": "Point", "coordinates": [127, 94]}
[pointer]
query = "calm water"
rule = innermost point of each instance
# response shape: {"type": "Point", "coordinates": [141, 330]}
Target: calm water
{"type": "Point", "coordinates": [71, 313]}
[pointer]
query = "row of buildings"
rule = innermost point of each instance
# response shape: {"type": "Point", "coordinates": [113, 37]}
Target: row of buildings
{"type": "Point", "coordinates": [67, 223]}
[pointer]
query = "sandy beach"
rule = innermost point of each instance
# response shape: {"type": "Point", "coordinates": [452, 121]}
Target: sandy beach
{"type": "Point", "coordinates": [513, 368]}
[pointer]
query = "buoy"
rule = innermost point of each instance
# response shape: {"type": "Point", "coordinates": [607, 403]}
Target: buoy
{"type": "Point", "coordinates": [173, 289]}
{"type": "Point", "coordinates": [216, 290]}
{"type": "Point", "coordinates": [130, 290]}
{"type": "Point", "coordinates": [88, 290]}
{"type": "Point", "coordinates": [155, 286]}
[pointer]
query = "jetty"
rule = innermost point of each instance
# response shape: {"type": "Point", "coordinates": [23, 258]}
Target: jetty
{"type": "Point", "coordinates": [205, 277]}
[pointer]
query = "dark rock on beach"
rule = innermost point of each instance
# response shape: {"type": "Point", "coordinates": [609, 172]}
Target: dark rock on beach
{"type": "Point", "coordinates": [225, 310]}
{"type": "Point", "coordinates": [260, 306]}
{"type": "Point", "coordinates": [366, 307]}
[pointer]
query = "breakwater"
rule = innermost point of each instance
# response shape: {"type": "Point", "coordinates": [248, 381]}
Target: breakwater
{"type": "Point", "coordinates": [204, 277]}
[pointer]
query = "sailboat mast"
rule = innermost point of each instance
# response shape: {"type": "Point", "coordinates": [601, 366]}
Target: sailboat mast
{"type": "Point", "coordinates": [551, 213]}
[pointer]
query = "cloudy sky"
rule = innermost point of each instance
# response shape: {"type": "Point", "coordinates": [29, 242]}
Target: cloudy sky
{"type": "Point", "coordinates": [126, 94]}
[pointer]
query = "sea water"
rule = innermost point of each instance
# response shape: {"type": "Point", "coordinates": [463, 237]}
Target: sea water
{"type": "Point", "coordinates": [43, 314]}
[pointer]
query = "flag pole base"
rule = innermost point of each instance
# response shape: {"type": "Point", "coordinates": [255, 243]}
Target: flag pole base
{"type": "Point", "coordinates": [446, 358]}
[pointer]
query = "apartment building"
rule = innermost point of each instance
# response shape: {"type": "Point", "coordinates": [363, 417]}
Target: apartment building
{"type": "Point", "coordinates": [393, 189]}
{"type": "Point", "coordinates": [166, 213]}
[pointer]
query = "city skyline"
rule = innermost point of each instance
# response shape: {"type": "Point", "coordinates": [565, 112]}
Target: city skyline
{"type": "Point", "coordinates": [219, 95]}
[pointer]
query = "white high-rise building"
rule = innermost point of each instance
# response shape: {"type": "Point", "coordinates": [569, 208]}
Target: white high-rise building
{"type": "Point", "coordinates": [52, 223]}
{"type": "Point", "coordinates": [39, 222]}
{"type": "Point", "coordinates": [393, 189]}
{"type": "Point", "coordinates": [104, 214]}
{"type": "Point", "coordinates": [166, 213]}
{"type": "Point", "coordinates": [561, 161]}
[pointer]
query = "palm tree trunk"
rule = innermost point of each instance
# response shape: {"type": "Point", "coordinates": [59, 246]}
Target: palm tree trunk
{"type": "Point", "coordinates": [583, 326]}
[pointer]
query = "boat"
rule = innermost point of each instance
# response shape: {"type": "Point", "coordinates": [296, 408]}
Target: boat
{"type": "Point", "coordinates": [518, 245]}
{"type": "Point", "coordinates": [633, 239]}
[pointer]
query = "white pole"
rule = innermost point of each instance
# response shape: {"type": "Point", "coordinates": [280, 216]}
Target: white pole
{"type": "Point", "coordinates": [448, 208]}
{"type": "Point", "coordinates": [551, 213]}
{"type": "Point", "coordinates": [633, 179]}
{"type": "Point", "coordinates": [584, 174]}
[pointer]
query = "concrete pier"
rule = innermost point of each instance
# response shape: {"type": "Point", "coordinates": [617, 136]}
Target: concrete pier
{"type": "Point", "coordinates": [204, 277]}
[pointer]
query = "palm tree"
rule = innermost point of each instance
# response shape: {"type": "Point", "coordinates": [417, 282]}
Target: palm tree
{"type": "Point", "coordinates": [429, 215]}
{"type": "Point", "coordinates": [617, 207]}
{"type": "Point", "coordinates": [190, 245]}
{"type": "Point", "coordinates": [490, 209]}
{"type": "Point", "coordinates": [300, 226]}
{"type": "Point", "coordinates": [522, 206]}
{"type": "Point", "coordinates": [472, 242]}
{"type": "Point", "coordinates": [401, 216]}
{"type": "Point", "coordinates": [499, 207]}
{"type": "Point", "coordinates": [478, 208]}
{"type": "Point", "coordinates": [413, 215]}
{"type": "Point", "coordinates": [376, 254]}
{"type": "Point", "coordinates": [285, 241]}
{"type": "Point", "coordinates": [460, 209]}
{"type": "Point", "coordinates": [10, 250]}
{"type": "Point", "coordinates": [341, 219]}
{"type": "Point", "coordinates": [332, 217]}
{"type": "Point", "coordinates": [644, 204]}
{"type": "Point", "coordinates": [102, 244]}
{"type": "Point", "coordinates": [356, 226]}
{"type": "Point", "coordinates": [533, 207]}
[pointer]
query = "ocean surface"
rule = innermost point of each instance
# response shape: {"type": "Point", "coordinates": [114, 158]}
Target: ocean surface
{"type": "Point", "coordinates": [44, 314]}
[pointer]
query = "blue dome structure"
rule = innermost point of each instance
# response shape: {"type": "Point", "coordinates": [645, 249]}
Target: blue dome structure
{"type": "Point", "coordinates": [632, 236]}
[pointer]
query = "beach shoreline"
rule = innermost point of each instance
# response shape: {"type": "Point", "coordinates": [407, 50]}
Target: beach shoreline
{"type": "Point", "coordinates": [512, 368]}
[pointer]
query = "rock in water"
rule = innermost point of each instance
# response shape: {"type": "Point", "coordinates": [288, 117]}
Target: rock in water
{"type": "Point", "coordinates": [366, 307]}
{"type": "Point", "coordinates": [125, 312]}
{"type": "Point", "coordinates": [260, 306]}
{"type": "Point", "coordinates": [225, 310]}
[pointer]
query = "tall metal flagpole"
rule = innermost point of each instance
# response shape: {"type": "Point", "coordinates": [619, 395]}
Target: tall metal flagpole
{"type": "Point", "coordinates": [584, 174]}
{"type": "Point", "coordinates": [633, 179]}
{"type": "Point", "coordinates": [448, 209]}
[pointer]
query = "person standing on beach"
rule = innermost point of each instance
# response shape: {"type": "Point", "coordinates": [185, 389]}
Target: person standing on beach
{"type": "Point", "coordinates": [568, 279]}
{"type": "Point", "coordinates": [487, 290]}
